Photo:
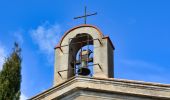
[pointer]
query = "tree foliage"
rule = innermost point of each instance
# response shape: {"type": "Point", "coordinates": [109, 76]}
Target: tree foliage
{"type": "Point", "coordinates": [10, 76]}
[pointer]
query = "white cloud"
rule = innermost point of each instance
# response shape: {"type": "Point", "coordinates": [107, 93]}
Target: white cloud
{"type": "Point", "coordinates": [2, 56]}
{"type": "Point", "coordinates": [46, 37]}
{"type": "Point", "coordinates": [23, 97]}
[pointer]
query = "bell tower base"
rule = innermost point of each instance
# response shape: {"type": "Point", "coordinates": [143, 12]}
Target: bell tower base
{"type": "Point", "coordinates": [85, 88]}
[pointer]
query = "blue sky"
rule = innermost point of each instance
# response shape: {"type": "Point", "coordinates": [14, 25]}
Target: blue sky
{"type": "Point", "coordinates": [139, 29]}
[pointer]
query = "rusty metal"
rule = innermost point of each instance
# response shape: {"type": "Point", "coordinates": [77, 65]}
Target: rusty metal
{"type": "Point", "coordinates": [59, 72]}
{"type": "Point", "coordinates": [60, 47]}
{"type": "Point", "coordinates": [85, 15]}
{"type": "Point", "coordinates": [81, 42]}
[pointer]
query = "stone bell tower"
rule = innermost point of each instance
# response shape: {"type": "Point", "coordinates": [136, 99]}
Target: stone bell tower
{"type": "Point", "coordinates": [85, 51]}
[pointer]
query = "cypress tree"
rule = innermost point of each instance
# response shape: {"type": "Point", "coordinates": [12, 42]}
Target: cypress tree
{"type": "Point", "coordinates": [10, 76]}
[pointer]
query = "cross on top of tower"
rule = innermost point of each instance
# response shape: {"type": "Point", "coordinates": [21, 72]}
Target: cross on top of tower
{"type": "Point", "coordinates": [85, 15]}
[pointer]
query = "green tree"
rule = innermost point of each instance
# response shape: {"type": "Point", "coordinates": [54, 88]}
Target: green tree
{"type": "Point", "coordinates": [10, 76]}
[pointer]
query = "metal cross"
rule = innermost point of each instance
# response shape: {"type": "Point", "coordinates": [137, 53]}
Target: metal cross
{"type": "Point", "coordinates": [85, 15]}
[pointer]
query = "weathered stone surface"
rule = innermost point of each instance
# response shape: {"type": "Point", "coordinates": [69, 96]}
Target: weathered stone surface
{"type": "Point", "coordinates": [102, 54]}
{"type": "Point", "coordinates": [85, 88]}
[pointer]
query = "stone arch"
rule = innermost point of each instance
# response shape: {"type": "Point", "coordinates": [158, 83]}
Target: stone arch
{"type": "Point", "coordinates": [75, 44]}
{"type": "Point", "coordinates": [96, 33]}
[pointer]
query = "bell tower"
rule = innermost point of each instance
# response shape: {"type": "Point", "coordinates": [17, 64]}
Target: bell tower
{"type": "Point", "coordinates": [85, 51]}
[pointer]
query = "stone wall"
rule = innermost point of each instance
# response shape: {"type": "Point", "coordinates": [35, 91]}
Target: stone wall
{"type": "Point", "coordinates": [80, 87]}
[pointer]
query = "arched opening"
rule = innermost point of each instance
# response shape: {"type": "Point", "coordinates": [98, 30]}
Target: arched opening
{"type": "Point", "coordinates": [80, 55]}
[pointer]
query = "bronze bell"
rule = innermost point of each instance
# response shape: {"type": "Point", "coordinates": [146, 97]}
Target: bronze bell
{"type": "Point", "coordinates": [84, 60]}
{"type": "Point", "coordinates": [84, 71]}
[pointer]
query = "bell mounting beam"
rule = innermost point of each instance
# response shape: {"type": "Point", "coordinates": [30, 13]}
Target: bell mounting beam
{"type": "Point", "coordinates": [85, 15]}
{"type": "Point", "coordinates": [59, 72]}
{"type": "Point", "coordinates": [60, 47]}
